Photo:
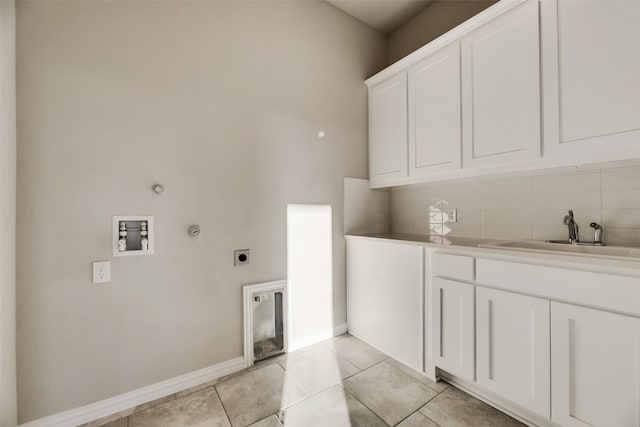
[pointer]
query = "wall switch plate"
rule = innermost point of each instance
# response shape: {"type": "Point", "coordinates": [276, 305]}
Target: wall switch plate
{"type": "Point", "coordinates": [241, 257]}
{"type": "Point", "coordinates": [102, 272]}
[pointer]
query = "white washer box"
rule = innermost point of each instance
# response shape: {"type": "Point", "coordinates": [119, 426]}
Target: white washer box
{"type": "Point", "coordinates": [134, 235]}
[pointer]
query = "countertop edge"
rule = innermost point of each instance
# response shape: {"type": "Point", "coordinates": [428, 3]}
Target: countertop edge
{"type": "Point", "coordinates": [629, 268]}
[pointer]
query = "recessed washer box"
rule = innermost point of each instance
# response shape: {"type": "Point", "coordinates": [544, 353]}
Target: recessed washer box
{"type": "Point", "coordinates": [132, 235]}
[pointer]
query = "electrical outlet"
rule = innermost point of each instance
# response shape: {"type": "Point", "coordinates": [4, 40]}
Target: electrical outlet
{"type": "Point", "coordinates": [453, 216]}
{"type": "Point", "coordinates": [241, 257]}
{"type": "Point", "coordinates": [102, 272]}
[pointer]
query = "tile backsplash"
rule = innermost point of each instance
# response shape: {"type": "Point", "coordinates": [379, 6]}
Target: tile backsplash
{"type": "Point", "coordinates": [525, 207]}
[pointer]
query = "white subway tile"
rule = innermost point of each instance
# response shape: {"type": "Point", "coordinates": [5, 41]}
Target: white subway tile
{"type": "Point", "coordinates": [469, 217]}
{"type": "Point", "coordinates": [455, 190]}
{"type": "Point", "coordinates": [621, 199]}
{"type": "Point", "coordinates": [622, 236]}
{"type": "Point", "coordinates": [621, 218]}
{"type": "Point", "coordinates": [466, 203]}
{"type": "Point", "coordinates": [566, 201]}
{"type": "Point", "coordinates": [554, 217]}
{"type": "Point", "coordinates": [508, 232]}
{"type": "Point", "coordinates": [550, 233]}
{"type": "Point", "coordinates": [464, 230]}
{"type": "Point", "coordinates": [506, 187]}
{"type": "Point", "coordinates": [567, 182]}
{"type": "Point", "coordinates": [507, 217]}
{"type": "Point", "coordinates": [506, 203]}
{"type": "Point", "coordinates": [621, 178]}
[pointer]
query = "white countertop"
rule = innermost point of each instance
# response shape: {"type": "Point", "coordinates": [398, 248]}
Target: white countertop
{"type": "Point", "coordinates": [470, 245]}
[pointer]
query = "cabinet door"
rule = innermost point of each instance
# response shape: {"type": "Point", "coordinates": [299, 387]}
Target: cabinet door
{"type": "Point", "coordinates": [453, 327]}
{"type": "Point", "coordinates": [388, 130]}
{"type": "Point", "coordinates": [384, 297]}
{"type": "Point", "coordinates": [590, 69]}
{"type": "Point", "coordinates": [435, 140]}
{"type": "Point", "coordinates": [595, 364]}
{"type": "Point", "coordinates": [501, 89]}
{"type": "Point", "coordinates": [513, 345]}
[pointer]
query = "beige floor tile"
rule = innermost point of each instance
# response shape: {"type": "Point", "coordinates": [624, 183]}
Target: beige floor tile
{"type": "Point", "coordinates": [358, 353]}
{"type": "Point", "coordinates": [332, 407]}
{"type": "Point", "coordinates": [267, 362]}
{"type": "Point", "coordinates": [149, 405]}
{"type": "Point", "coordinates": [110, 419]}
{"type": "Point", "coordinates": [257, 394]}
{"type": "Point", "coordinates": [454, 408]}
{"type": "Point", "coordinates": [122, 422]}
{"type": "Point", "coordinates": [439, 386]}
{"type": "Point", "coordinates": [417, 420]}
{"type": "Point", "coordinates": [271, 421]}
{"type": "Point", "coordinates": [195, 388]}
{"type": "Point", "coordinates": [387, 391]}
{"type": "Point", "coordinates": [199, 409]}
{"type": "Point", "coordinates": [318, 369]}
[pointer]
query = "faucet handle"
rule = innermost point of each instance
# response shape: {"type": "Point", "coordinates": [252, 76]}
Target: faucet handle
{"type": "Point", "coordinates": [597, 237]}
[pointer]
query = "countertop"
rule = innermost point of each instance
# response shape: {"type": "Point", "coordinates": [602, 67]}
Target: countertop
{"type": "Point", "coordinates": [630, 267]}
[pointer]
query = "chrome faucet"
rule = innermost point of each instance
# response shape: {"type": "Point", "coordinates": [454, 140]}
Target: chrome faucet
{"type": "Point", "coordinates": [574, 235]}
{"type": "Point", "coordinates": [597, 236]}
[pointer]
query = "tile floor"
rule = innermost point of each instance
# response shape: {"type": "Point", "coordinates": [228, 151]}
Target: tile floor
{"type": "Point", "coordinates": [341, 382]}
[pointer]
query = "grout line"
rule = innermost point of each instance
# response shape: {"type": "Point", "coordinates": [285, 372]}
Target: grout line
{"type": "Point", "coordinates": [222, 404]}
{"type": "Point", "coordinates": [363, 404]}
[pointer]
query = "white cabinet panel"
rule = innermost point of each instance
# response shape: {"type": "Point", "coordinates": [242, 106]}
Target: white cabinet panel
{"type": "Point", "coordinates": [453, 328]}
{"type": "Point", "coordinates": [384, 297]}
{"type": "Point", "coordinates": [435, 140]}
{"type": "Point", "coordinates": [595, 362]}
{"type": "Point", "coordinates": [388, 130]}
{"type": "Point", "coordinates": [460, 267]}
{"type": "Point", "coordinates": [513, 345]}
{"type": "Point", "coordinates": [591, 67]}
{"type": "Point", "coordinates": [501, 89]}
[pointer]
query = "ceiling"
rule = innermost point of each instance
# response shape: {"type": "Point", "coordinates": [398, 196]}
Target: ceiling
{"type": "Point", "coordinates": [384, 15]}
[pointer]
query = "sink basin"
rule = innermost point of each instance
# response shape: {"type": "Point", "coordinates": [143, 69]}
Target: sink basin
{"type": "Point", "coordinates": [618, 252]}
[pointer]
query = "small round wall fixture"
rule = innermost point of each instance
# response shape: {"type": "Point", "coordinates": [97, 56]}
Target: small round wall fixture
{"type": "Point", "coordinates": [194, 231]}
{"type": "Point", "coordinates": [157, 188]}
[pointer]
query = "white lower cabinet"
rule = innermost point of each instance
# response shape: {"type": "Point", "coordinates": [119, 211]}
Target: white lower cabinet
{"type": "Point", "coordinates": [384, 297]}
{"type": "Point", "coordinates": [513, 345]}
{"type": "Point", "coordinates": [453, 327]}
{"type": "Point", "coordinates": [595, 362]}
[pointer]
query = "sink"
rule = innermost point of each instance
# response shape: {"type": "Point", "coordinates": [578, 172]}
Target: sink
{"type": "Point", "coordinates": [618, 252]}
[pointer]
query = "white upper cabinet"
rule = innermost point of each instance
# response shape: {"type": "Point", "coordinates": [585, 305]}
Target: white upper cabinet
{"type": "Point", "coordinates": [513, 343]}
{"type": "Point", "coordinates": [595, 366]}
{"type": "Point", "coordinates": [501, 89]}
{"type": "Point", "coordinates": [591, 75]}
{"type": "Point", "coordinates": [388, 130]}
{"type": "Point", "coordinates": [435, 140]}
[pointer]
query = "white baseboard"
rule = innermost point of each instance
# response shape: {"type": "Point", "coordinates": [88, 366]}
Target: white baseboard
{"type": "Point", "coordinates": [317, 337]}
{"type": "Point", "coordinates": [103, 408]}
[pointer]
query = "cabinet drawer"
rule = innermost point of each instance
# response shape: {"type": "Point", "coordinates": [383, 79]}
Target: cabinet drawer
{"type": "Point", "coordinates": [453, 266]}
{"type": "Point", "coordinates": [606, 291]}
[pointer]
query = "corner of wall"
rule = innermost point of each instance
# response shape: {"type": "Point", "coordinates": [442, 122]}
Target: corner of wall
{"type": "Point", "coordinates": [8, 399]}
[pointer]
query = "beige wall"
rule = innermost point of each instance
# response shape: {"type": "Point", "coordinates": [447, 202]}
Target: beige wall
{"type": "Point", "coordinates": [8, 405]}
{"type": "Point", "coordinates": [434, 21]}
{"type": "Point", "coordinates": [221, 102]}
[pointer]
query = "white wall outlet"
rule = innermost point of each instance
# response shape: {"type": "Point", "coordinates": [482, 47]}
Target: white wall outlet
{"type": "Point", "coordinates": [241, 257]}
{"type": "Point", "coordinates": [453, 215]}
{"type": "Point", "coordinates": [102, 272]}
